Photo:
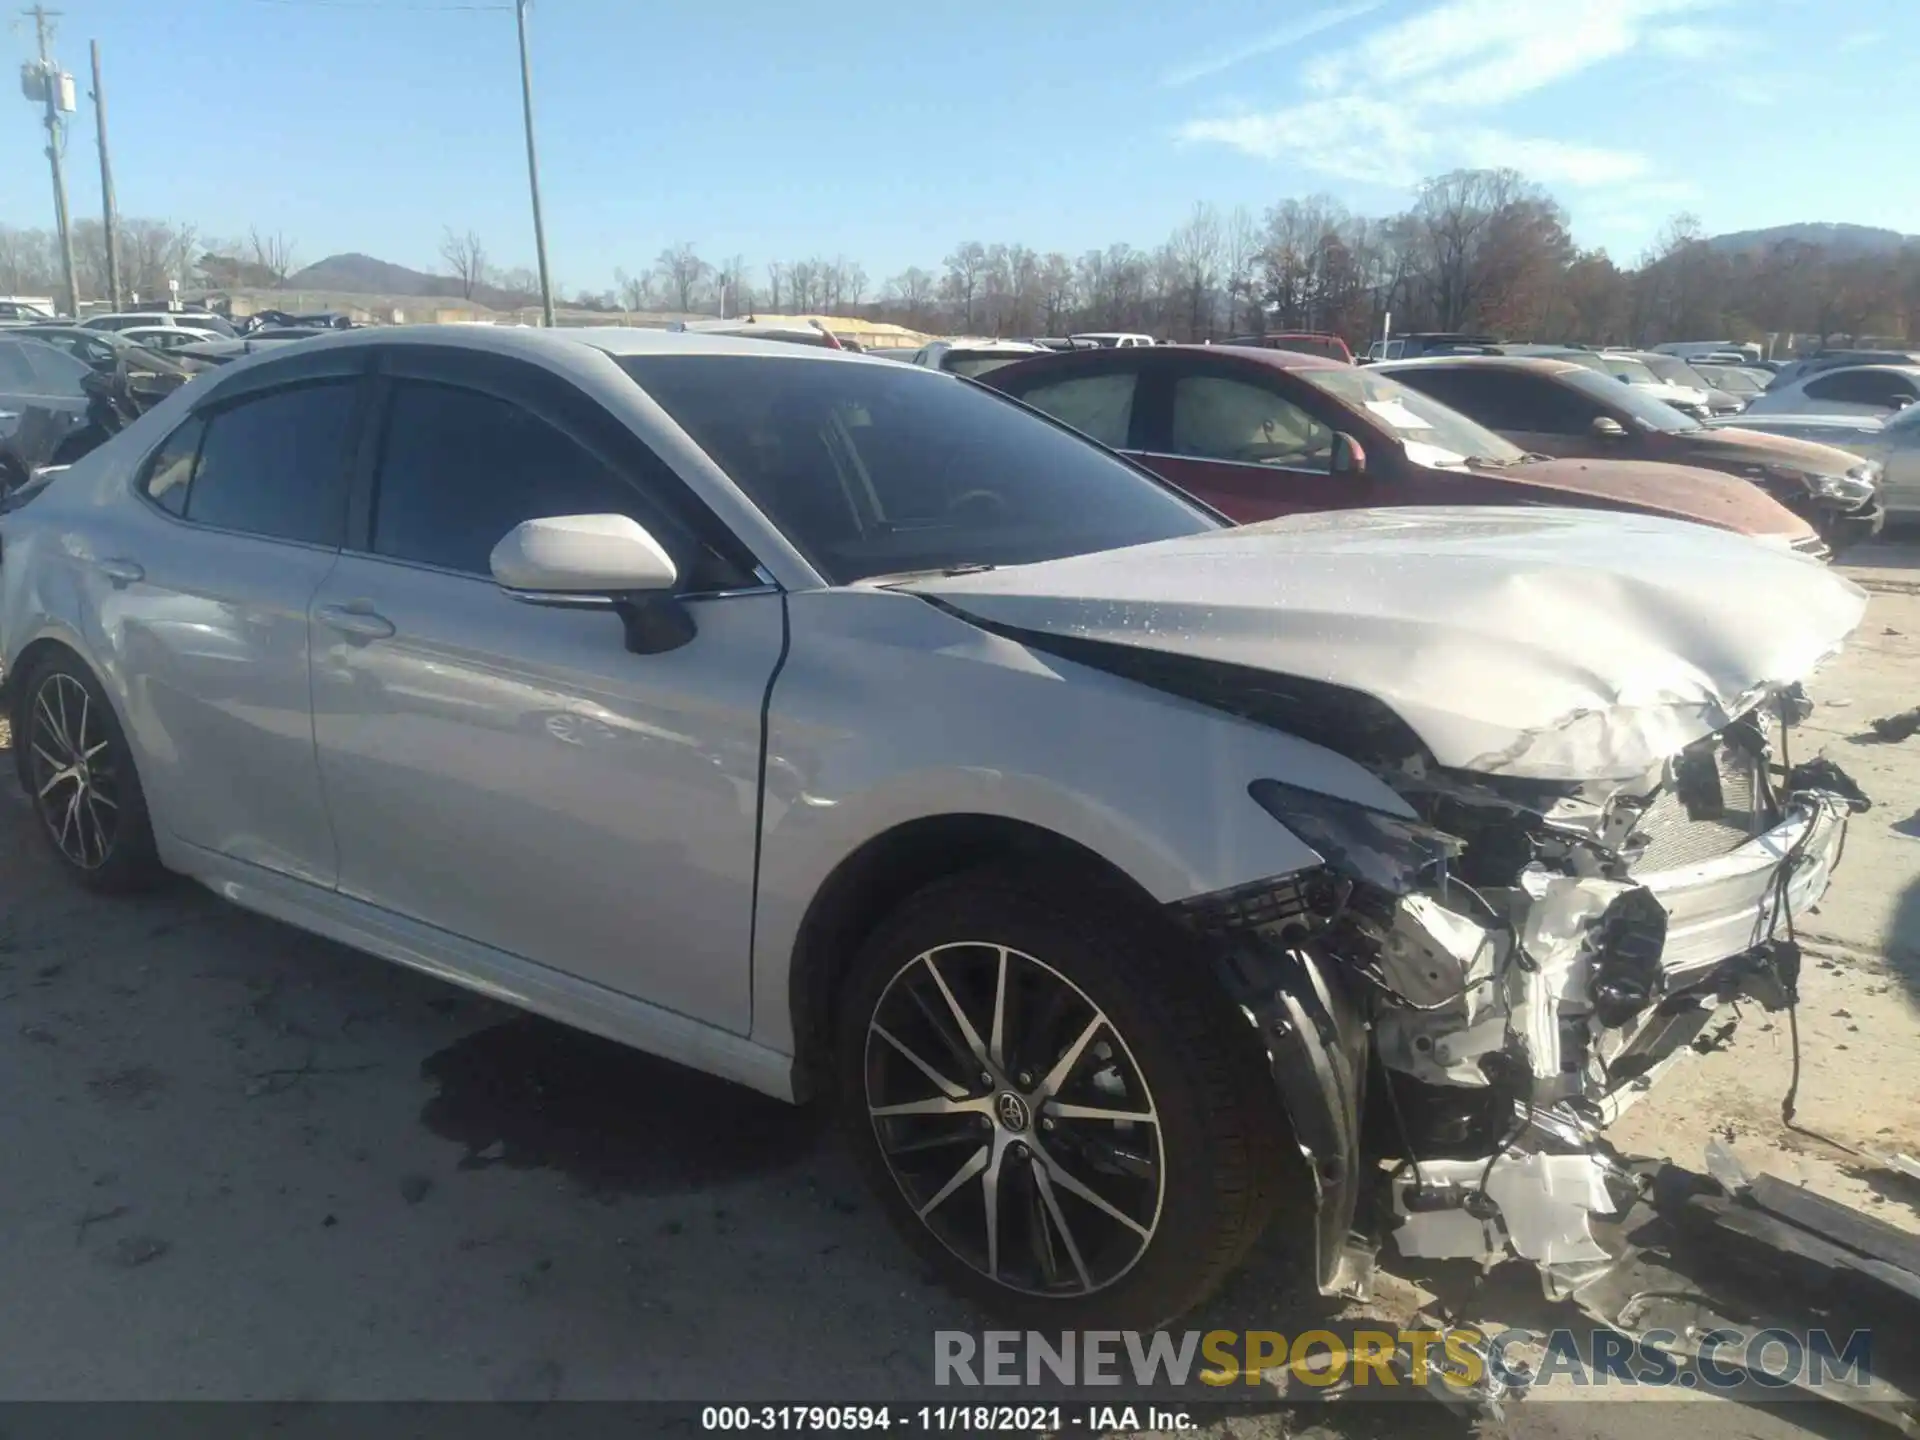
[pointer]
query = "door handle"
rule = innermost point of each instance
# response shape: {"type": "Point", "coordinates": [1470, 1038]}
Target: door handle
{"type": "Point", "coordinates": [364, 624]}
{"type": "Point", "coordinates": [120, 571]}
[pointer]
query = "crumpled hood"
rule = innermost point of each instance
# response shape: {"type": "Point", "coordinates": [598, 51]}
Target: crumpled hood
{"type": "Point", "coordinates": [1553, 644]}
{"type": "Point", "coordinates": [1721, 443]}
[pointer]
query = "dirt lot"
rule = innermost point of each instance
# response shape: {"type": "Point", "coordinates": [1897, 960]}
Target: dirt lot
{"type": "Point", "coordinates": [238, 1162]}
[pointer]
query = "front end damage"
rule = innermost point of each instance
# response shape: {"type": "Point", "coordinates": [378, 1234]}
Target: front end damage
{"type": "Point", "coordinates": [1477, 994]}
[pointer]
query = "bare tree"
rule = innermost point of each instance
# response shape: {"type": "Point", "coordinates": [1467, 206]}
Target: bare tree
{"type": "Point", "coordinates": [635, 291]}
{"type": "Point", "coordinates": [466, 260]}
{"type": "Point", "coordinates": [776, 281]}
{"type": "Point", "coordinates": [1240, 267]}
{"type": "Point", "coordinates": [965, 266]}
{"type": "Point", "coordinates": [1196, 250]}
{"type": "Point", "coordinates": [681, 272]}
{"type": "Point", "coordinates": [274, 255]}
{"type": "Point", "coordinates": [912, 291]}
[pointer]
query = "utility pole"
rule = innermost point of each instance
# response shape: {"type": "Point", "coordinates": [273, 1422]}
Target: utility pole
{"type": "Point", "coordinates": [52, 85]}
{"type": "Point", "coordinates": [106, 182]}
{"type": "Point", "coordinates": [533, 167]}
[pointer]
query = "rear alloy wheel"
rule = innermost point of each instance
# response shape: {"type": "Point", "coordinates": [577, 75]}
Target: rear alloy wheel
{"type": "Point", "coordinates": [1058, 1109]}
{"type": "Point", "coordinates": [81, 779]}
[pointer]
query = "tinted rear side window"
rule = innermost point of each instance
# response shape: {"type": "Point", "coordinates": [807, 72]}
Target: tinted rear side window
{"type": "Point", "coordinates": [277, 465]}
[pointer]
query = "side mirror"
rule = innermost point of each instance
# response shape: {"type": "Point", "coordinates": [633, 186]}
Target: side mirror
{"type": "Point", "coordinates": [1348, 458]}
{"type": "Point", "coordinates": [1608, 428]}
{"type": "Point", "coordinates": [592, 562]}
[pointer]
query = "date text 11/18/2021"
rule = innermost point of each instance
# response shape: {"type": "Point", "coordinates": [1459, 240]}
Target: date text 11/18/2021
{"type": "Point", "coordinates": [943, 1419]}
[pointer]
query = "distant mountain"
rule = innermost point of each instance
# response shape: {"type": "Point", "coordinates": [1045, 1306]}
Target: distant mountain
{"type": "Point", "coordinates": [356, 274]}
{"type": "Point", "coordinates": [1840, 241]}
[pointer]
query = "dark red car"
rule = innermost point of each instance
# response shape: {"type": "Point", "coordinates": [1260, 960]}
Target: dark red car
{"type": "Point", "coordinates": [1257, 433]}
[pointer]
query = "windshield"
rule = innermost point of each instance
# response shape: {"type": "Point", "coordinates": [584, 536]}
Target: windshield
{"type": "Point", "coordinates": [1432, 434]}
{"type": "Point", "coordinates": [1730, 379]}
{"type": "Point", "coordinates": [975, 363]}
{"type": "Point", "coordinates": [874, 469]}
{"type": "Point", "coordinates": [1673, 371]}
{"type": "Point", "coordinates": [1643, 409]}
{"type": "Point", "coordinates": [1621, 367]}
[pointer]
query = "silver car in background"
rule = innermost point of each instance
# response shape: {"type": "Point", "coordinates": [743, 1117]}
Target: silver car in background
{"type": "Point", "coordinates": [845, 731]}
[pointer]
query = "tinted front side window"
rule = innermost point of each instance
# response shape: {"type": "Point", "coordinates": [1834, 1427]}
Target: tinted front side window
{"type": "Point", "coordinates": [874, 469]}
{"type": "Point", "coordinates": [16, 375]}
{"type": "Point", "coordinates": [459, 469]}
{"type": "Point", "coordinates": [1098, 406]}
{"type": "Point", "coordinates": [55, 372]}
{"type": "Point", "coordinates": [277, 465]}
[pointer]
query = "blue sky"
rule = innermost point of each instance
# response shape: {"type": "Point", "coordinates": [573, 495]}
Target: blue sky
{"type": "Point", "coordinates": [888, 131]}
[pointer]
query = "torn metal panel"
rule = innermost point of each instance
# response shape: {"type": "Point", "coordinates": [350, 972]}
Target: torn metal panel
{"type": "Point", "coordinates": [1535, 643]}
{"type": "Point", "coordinates": [1538, 1205]}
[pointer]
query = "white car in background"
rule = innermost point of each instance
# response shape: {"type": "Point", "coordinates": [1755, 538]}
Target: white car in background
{"type": "Point", "coordinates": [1853, 390]}
{"type": "Point", "coordinates": [132, 319]}
{"type": "Point", "coordinates": [166, 338]}
{"type": "Point", "coordinates": [1111, 339]}
{"type": "Point", "coordinates": [974, 358]}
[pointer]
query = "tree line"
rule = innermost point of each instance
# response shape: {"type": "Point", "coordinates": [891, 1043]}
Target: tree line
{"type": "Point", "coordinates": [1480, 250]}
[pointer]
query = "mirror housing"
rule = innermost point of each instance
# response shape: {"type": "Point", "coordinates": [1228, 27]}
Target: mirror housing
{"type": "Point", "coordinates": [595, 562]}
{"type": "Point", "coordinates": [1348, 456]}
{"type": "Point", "coordinates": [1608, 428]}
{"type": "Point", "coordinates": [581, 557]}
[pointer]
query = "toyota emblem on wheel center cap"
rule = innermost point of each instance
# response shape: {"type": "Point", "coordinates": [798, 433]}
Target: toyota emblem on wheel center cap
{"type": "Point", "coordinates": [1013, 1111]}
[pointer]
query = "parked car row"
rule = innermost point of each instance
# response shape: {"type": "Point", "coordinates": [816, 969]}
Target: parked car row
{"type": "Point", "coordinates": [1262, 432]}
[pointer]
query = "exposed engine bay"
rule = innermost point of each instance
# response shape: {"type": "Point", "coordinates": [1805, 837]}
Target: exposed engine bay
{"type": "Point", "coordinates": [1527, 957]}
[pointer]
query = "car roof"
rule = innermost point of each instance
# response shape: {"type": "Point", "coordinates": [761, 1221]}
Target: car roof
{"type": "Point", "coordinates": [1534, 364]}
{"type": "Point", "coordinates": [1881, 368]}
{"type": "Point", "coordinates": [534, 341]}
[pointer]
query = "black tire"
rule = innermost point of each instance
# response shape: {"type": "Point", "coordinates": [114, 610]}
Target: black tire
{"type": "Point", "coordinates": [1183, 1054]}
{"type": "Point", "coordinates": [95, 820]}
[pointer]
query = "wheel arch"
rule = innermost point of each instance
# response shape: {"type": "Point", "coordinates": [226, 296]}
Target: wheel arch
{"type": "Point", "coordinates": [871, 881]}
{"type": "Point", "coordinates": [30, 657]}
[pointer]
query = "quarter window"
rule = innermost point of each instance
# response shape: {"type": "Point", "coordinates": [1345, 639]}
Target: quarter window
{"type": "Point", "coordinates": [1215, 418]}
{"type": "Point", "coordinates": [1098, 406]}
{"type": "Point", "coordinates": [171, 467]}
{"type": "Point", "coordinates": [276, 465]}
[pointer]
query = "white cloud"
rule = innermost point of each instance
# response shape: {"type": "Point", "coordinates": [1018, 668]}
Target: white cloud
{"type": "Point", "coordinates": [1694, 42]}
{"type": "Point", "coordinates": [1280, 39]}
{"type": "Point", "coordinates": [1399, 103]}
{"type": "Point", "coordinates": [1553, 162]}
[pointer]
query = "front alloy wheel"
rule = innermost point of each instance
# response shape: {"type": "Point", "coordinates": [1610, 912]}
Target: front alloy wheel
{"type": "Point", "coordinates": [1015, 1119]}
{"type": "Point", "coordinates": [1055, 1102]}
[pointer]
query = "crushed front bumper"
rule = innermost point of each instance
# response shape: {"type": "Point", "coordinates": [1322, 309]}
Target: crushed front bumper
{"type": "Point", "coordinates": [1510, 1022]}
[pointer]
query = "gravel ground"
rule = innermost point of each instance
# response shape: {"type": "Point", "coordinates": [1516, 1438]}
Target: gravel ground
{"type": "Point", "coordinates": [237, 1162]}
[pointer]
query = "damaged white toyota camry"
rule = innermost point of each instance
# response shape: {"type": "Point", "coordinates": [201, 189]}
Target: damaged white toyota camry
{"type": "Point", "coordinates": [844, 729]}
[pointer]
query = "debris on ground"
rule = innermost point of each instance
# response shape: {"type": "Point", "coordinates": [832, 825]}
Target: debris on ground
{"type": "Point", "coordinates": [1820, 773]}
{"type": "Point", "coordinates": [1897, 727]}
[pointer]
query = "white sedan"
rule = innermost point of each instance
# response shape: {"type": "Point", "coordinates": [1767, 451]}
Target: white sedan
{"type": "Point", "coordinates": [1852, 390]}
{"type": "Point", "coordinates": [827, 725]}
